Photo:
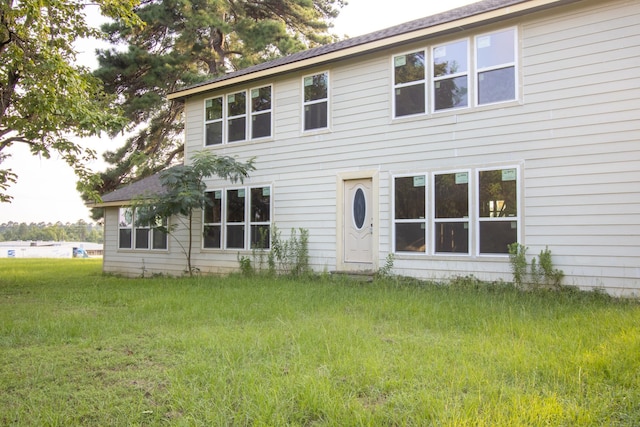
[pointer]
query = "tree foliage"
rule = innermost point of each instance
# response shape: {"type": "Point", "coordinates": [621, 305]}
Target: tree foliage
{"type": "Point", "coordinates": [184, 193]}
{"type": "Point", "coordinates": [44, 97]}
{"type": "Point", "coordinates": [185, 42]}
{"type": "Point", "coordinates": [80, 231]}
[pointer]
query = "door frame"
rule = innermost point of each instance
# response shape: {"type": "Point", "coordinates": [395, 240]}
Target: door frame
{"type": "Point", "coordinates": [373, 175]}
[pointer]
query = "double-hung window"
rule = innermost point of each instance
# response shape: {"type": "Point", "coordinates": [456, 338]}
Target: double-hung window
{"type": "Point", "coordinates": [496, 66]}
{"type": "Point", "coordinates": [451, 212]}
{"type": "Point", "coordinates": [409, 84]}
{"type": "Point", "coordinates": [213, 121]}
{"type": "Point", "coordinates": [316, 101]}
{"type": "Point", "coordinates": [261, 112]}
{"type": "Point", "coordinates": [136, 234]}
{"type": "Point", "coordinates": [497, 210]}
{"type": "Point", "coordinates": [409, 213]}
{"type": "Point", "coordinates": [451, 75]}
{"type": "Point", "coordinates": [238, 218]}
{"type": "Point", "coordinates": [237, 116]}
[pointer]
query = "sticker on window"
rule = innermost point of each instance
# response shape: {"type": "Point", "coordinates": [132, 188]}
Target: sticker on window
{"type": "Point", "coordinates": [217, 195]}
{"type": "Point", "coordinates": [484, 42]}
{"type": "Point", "coordinates": [308, 81]}
{"type": "Point", "coordinates": [440, 52]}
{"type": "Point", "coordinates": [266, 191]}
{"type": "Point", "coordinates": [508, 174]}
{"type": "Point", "coordinates": [419, 181]}
{"type": "Point", "coordinates": [209, 103]}
{"type": "Point", "coordinates": [400, 61]}
{"type": "Point", "coordinates": [255, 93]}
{"type": "Point", "coordinates": [462, 178]}
{"type": "Point", "coordinates": [232, 98]}
{"type": "Point", "coordinates": [241, 193]}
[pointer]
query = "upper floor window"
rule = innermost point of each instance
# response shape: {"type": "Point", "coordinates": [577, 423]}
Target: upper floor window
{"type": "Point", "coordinates": [238, 116]}
{"type": "Point", "coordinates": [409, 84]}
{"type": "Point", "coordinates": [496, 66]}
{"type": "Point", "coordinates": [451, 75]}
{"type": "Point", "coordinates": [316, 101]}
{"type": "Point", "coordinates": [136, 234]}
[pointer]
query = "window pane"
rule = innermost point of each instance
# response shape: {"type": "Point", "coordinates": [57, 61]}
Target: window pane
{"type": "Point", "coordinates": [498, 197]}
{"type": "Point", "coordinates": [315, 116]}
{"type": "Point", "coordinates": [261, 125]}
{"type": "Point", "coordinates": [235, 236]}
{"type": "Point", "coordinates": [212, 236]}
{"type": "Point", "coordinates": [410, 197]}
{"type": "Point", "coordinates": [316, 87]}
{"type": "Point", "coordinates": [260, 236]}
{"type": "Point", "coordinates": [124, 239]}
{"type": "Point", "coordinates": [261, 99]}
{"type": "Point", "coordinates": [410, 237]}
{"type": "Point", "coordinates": [496, 49]}
{"type": "Point", "coordinates": [260, 204]}
{"type": "Point", "coordinates": [452, 195]}
{"type": "Point", "coordinates": [214, 133]}
{"type": "Point", "coordinates": [409, 67]}
{"type": "Point", "coordinates": [237, 104]}
{"type": "Point", "coordinates": [125, 217]}
{"type": "Point", "coordinates": [237, 129]}
{"type": "Point", "coordinates": [159, 239]}
{"type": "Point", "coordinates": [497, 85]}
{"type": "Point", "coordinates": [451, 93]}
{"type": "Point", "coordinates": [450, 59]}
{"type": "Point", "coordinates": [235, 205]}
{"type": "Point", "coordinates": [213, 109]}
{"type": "Point", "coordinates": [142, 238]}
{"type": "Point", "coordinates": [410, 100]}
{"type": "Point", "coordinates": [213, 209]}
{"type": "Point", "coordinates": [496, 236]}
{"type": "Point", "coordinates": [452, 237]}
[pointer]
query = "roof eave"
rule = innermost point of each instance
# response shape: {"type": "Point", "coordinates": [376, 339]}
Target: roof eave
{"type": "Point", "coordinates": [456, 25]}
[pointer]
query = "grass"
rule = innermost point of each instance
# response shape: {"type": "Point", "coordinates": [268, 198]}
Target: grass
{"type": "Point", "coordinates": [81, 348]}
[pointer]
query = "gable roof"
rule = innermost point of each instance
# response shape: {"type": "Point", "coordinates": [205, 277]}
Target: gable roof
{"type": "Point", "coordinates": [451, 21]}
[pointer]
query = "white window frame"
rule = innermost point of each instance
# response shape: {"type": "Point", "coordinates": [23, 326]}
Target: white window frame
{"type": "Point", "coordinates": [435, 221]}
{"type": "Point", "coordinates": [259, 113]}
{"type": "Point", "coordinates": [229, 117]}
{"type": "Point", "coordinates": [221, 120]}
{"type": "Point", "coordinates": [316, 101]}
{"type": "Point", "coordinates": [423, 221]}
{"type": "Point", "coordinates": [215, 224]}
{"type": "Point", "coordinates": [517, 218]}
{"type": "Point", "coordinates": [424, 81]}
{"type": "Point", "coordinates": [477, 70]}
{"type": "Point", "coordinates": [435, 79]}
{"type": "Point", "coordinates": [133, 227]}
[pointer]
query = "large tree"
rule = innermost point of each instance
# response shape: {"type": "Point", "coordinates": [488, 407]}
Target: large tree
{"type": "Point", "coordinates": [44, 97]}
{"type": "Point", "coordinates": [186, 42]}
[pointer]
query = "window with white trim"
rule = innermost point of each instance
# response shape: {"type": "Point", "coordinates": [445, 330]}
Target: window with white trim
{"type": "Point", "coordinates": [238, 218]}
{"type": "Point", "coordinates": [409, 213]}
{"type": "Point", "coordinates": [451, 212]}
{"type": "Point", "coordinates": [238, 116]}
{"type": "Point", "coordinates": [451, 75]}
{"type": "Point", "coordinates": [497, 210]}
{"type": "Point", "coordinates": [135, 234]}
{"type": "Point", "coordinates": [450, 219]}
{"type": "Point", "coordinates": [409, 84]}
{"type": "Point", "coordinates": [316, 101]}
{"type": "Point", "coordinates": [496, 67]}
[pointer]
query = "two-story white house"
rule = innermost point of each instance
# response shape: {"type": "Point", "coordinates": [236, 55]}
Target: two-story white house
{"type": "Point", "coordinates": [440, 141]}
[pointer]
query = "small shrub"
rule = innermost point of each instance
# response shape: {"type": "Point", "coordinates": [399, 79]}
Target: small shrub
{"type": "Point", "coordinates": [386, 271]}
{"type": "Point", "coordinates": [541, 272]}
{"type": "Point", "coordinates": [245, 265]}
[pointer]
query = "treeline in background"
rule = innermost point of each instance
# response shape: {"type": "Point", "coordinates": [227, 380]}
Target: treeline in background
{"type": "Point", "coordinates": [80, 231]}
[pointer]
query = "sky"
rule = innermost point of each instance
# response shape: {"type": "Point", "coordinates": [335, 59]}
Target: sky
{"type": "Point", "coordinates": [46, 188]}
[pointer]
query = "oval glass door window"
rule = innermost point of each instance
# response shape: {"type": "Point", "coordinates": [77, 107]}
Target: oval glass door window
{"type": "Point", "coordinates": [359, 208]}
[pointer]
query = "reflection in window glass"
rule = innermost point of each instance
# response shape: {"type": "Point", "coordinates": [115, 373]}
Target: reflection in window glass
{"type": "Point", "coordinates": [213, 121]}
{"type": "Point", "coordinates": [261, 112]}
{"type": "Point", "coordinates": [260, 217]}
{"type": "Point", "coordinates": [409, 84]}
{"type": "Point", "coordinates": [236, 116]}
{"type": "Point", "coordinates": [495, 63]}
{"type": "Point", "coordinates": [450, 71]}
{"type": "Point", "coordinates": [316, 104]}
{"type": "Point", "coordinates": [498, 210]}
{"type": "Point", "coordinates": [410, 213]}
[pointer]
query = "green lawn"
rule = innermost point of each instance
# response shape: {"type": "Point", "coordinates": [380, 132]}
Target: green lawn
{"type": "Point", "coordinates": [81, 348]}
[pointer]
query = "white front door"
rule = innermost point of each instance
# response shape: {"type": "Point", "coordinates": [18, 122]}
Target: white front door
{"type": "Point", "coordinates": [358, 223]}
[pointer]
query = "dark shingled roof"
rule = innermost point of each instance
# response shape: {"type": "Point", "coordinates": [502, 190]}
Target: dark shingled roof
{"type": "Point", "coordinates": [407, 27]}
{"type": "Point", "coordinates": [149, 186]}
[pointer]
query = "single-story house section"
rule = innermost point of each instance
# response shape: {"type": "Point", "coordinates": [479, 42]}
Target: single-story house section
{"type": "Point", "coordinates": [440, 141]}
